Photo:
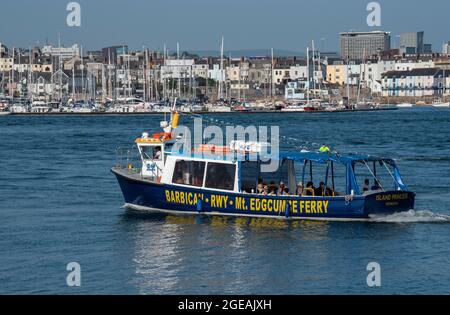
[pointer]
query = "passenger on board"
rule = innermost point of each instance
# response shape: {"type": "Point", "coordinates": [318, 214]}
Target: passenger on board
{"type": "Point", "coordinates": [366, 186]}
{"type": "Point", "coordinates": [324, 149]}
{"type": "Point", "coordinates": [272, 191]}
{"type": "Point", "coordinates": [320, 191]}
{"type": "Point", "coordinates": [178, 173]}
{"type": "Point", "coordinates": [157, 153]}
{"type": "Point", "coordinates": [265, 190]}
{"type": "Point", "coordinates": [309, 190]}
{"type": "Point", "coordinates": [260, 186]}
{"type": "Point", "coordinates": [273, 187]}
{"type": "Point", "coordinates": [286, 192]}
{"type": "Point", "coordinates": [281, 189]}
{"type": "Point", "coordinates": [329, 192]}
{"type": "Point", "coordinates": [376, 186]}
{"type": "Point", "coordinates": [299, 191]}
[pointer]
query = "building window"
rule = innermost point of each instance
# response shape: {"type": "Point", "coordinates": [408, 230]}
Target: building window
{"type": "Point", "coordinates": [189, 173]}
{"type": "Point", "coordinates": [220, 176]}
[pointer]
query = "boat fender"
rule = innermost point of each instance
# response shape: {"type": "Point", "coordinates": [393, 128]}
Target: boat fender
{"type": "Point", "coordinates": [199, 205]}
{"type": "Point", "coordinates": [286, 210]}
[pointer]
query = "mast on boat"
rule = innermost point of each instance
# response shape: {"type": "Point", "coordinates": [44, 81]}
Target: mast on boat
{"type": "Point", "coordinates": [348, 69]}
{"type": "Point", "coordinates": [221, 71]}
{"type": "Point", "coordinates": [307, 75]}
{"type": "Point", "coordinates": [272, 91]}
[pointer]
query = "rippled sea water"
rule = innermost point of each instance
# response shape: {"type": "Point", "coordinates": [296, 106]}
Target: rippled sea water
{"type": "Point", "coordinates": [59, 203]}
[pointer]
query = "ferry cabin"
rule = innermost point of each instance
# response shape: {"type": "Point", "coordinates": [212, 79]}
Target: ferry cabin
{"type": "Point", "coordinates": [219, 180]}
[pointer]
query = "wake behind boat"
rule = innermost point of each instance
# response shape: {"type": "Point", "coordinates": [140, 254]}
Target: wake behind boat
{"type": "Point", "coordinates": [229, 180]}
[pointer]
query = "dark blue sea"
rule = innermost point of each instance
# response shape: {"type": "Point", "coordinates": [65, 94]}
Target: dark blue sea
{"type": "Point", "coordinates": [60, 203]}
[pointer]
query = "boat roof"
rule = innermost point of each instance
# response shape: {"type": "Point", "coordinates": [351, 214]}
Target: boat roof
{"type": "Point", "coordinates": [323, 157]}
{"type": "Point", "coordinates": [317, 157]}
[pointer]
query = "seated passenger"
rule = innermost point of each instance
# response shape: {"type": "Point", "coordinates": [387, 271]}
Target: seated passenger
{"type": "Point", "coordinates": [260, 186]}
{"type": "Point", "coordinates": [320, 191]}
{"type": "Point", "coordinates": [299, 191]}
{"type": "Point", "coordinates": [376, 185]}
{"type": "Point", "coordinates": [157, 153]}
{"type": "Point", "coordinates": [265, 190]}
{"type": "Point", "coordinates": [286, 192]}
{"type": "Point", "coordinates": [309, 190]}
{"type": "Point", "coordinates": [281, 189]}
{"type": "Point", "coordinates": [273, 187]}
{"type": "Point", "coordinates": [329, 192]}
{"type": "Point", "coordinates": [197, 181]}
{"type": "Point", "coordinates": [260, 189]}
{"type": "Point", "coordinates": [366, 186]}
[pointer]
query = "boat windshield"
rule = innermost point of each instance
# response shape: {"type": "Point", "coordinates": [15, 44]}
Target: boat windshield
{"type": "Point", "coordinates": [151, 153]}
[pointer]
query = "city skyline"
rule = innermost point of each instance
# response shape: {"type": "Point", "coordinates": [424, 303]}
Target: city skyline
{"type": "Point", "coordinates": [194, 24]}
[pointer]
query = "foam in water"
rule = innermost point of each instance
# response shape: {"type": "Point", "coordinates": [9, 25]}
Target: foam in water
{"type": "Point", "coordinates": [412, 216]}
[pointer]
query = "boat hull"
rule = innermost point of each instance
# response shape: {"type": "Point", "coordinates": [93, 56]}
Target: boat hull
{"type": "Point", "coordinates": [141, 194]}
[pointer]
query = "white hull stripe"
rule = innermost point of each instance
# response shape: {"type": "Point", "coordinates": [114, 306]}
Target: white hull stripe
{"type": "Point", "coordinates": [282, 217]}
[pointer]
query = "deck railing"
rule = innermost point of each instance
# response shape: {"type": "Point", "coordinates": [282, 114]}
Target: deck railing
{"type": "Point", "coordinates": [128, 158]}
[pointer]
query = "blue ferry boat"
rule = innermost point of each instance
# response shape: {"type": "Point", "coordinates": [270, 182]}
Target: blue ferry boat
{"type": "Point", "coordinates": [212, 180]}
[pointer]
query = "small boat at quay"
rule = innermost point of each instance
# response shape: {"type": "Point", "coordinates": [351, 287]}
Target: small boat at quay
{"type": "Point", "coordinates": [404, 105]}
{"type": "Point", "coordinates": [441, 104]}
{"type": "Point", "coordinates": [231, 181]}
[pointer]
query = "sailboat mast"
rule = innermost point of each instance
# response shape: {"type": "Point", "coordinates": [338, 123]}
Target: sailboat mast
{"type": "Point", "coordinates": [361, 71]}
{"type": "Point", "coordinates": [30, 75]}
{"type": "Point", "coordinates": [307, 75]}
{"type": "Point", "coordinates": [11, 77]}
{"type": "Point", "coordinates": [144, 77]}
{"type": "Point", "coordinates": [348, 70]}
{"type": "Point", "coordinates": [272, 91]}
{"type": "Point", "coordinates": [82, 75]}
{"type": "Point", "coordinates": [314, 65]}
{"type": "Point", "coordinates": [179, 70]}
{"type": "Point", "coordinates": [221, 72]}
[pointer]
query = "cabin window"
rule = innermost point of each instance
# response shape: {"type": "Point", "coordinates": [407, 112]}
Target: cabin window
{"type": "Point", "coordinates": [189, 173]}
{"type": "Point", "coordinates": [153, 153]}
{"type": "Point", "coordinates": [249, 176]}
{"type": "Point", "coordinates": [220, 176]}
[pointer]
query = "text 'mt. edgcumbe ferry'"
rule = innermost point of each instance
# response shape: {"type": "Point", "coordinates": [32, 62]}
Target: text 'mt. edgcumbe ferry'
{"type": "Point", "coordinates": [211, 180]}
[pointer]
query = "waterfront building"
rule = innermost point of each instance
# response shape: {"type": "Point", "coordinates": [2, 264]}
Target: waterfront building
{"type": "Point", "coordinates": [415, 83]}
{"type": "Point", "coordinates": [42, 86]}
{"type": "Point", "coordinates": [112, 53]}
{"type": "Point", "coordinates": [338, 72]}
{"type": "Point", "coordinates": [6, 63]}
{"type": "Point", "coordinates": [280, 75]}
{"type": "Point", "coordinates": [177, 68]}
{"type": "Point", "coordinates": [64, 52]}
{"type": "Point", "coordinates": [237, 70]}
{"type": "Point", "coordinates": [295, 90]}
{"type": "Point", "coordinates": [446, 48]}
{"type": "Point", "coordinates": [216, 74]}
{"type": "Point", "coordinates": [298, 72]}
{"type": "Point", "coordinates": [200, 68]}
{"type": "Point", "coordinates": [427, 48]}
{"type": "Point", "coordinates": [412, 43]}
{"type": "Point", "coordinates": [361, 45]}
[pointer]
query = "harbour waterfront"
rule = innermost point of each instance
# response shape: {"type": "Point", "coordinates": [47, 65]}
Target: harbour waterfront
{"type": "Point", "coordinates": [59, 203]}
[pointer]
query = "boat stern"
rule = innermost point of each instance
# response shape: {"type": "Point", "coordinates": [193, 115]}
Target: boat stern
{"type": "Point", "coordinates": [389, 202]}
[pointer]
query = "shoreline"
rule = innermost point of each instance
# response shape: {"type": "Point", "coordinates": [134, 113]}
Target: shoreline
{"type": "Point", "coordinates": [202, 112]}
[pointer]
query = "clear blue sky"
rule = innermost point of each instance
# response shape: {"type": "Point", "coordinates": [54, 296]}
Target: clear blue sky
{"type": "Point", "coordinates": [198, 24]}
